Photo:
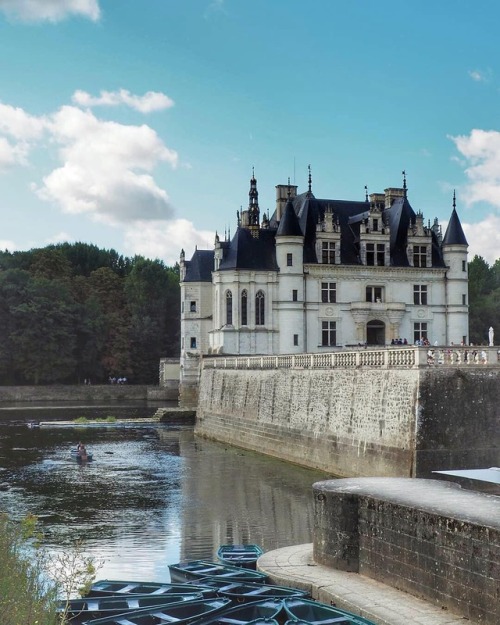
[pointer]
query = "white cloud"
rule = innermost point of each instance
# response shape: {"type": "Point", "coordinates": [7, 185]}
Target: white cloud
{"type": "Point", "coordinates": [484, 238]}
{"type": "Point", "coordinates": [5, 244]}
{"type": "Point", "coordinates": [50, 10]}
{"type": "Point", "coordinates": [59, 237]}
{"type": "Point", "coordinates": [150, 101]}
{"type": "Point", "coordinates": [18, 132]}
{"type": "Point", "coordinates": [480, 76]}
{"type": "Point", "coordinates": [105, 169]}
{"type": "Point", "coordinates": [165, 239]}
{"type": "Point", "coordinates": [481, 151]}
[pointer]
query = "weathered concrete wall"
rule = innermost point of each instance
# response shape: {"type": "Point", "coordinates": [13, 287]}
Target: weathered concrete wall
{"type": "Point", "coordinates": [347, 422]}
{"type": "Point", "coordinates": [459, 422]}
{"type": "Point", "coordinates": [426, 537]}
{"type": "Point", "coordinates": [357, 421]}
{"type": "Point", "coordinates": [90, 393]}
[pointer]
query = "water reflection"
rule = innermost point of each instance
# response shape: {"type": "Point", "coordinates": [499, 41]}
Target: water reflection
{"type": "Point", "coordinates": [152, 496]}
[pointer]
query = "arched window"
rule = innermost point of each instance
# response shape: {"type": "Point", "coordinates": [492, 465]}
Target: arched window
{"type": "Point", "coordinates": [229, 308]}
{"type": "Point", "coordinates": [244, 308]}
{"type": "Point", "coordinates": [259, 308]}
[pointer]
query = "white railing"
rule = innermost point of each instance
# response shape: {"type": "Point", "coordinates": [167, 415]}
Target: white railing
{"type": "Point", "coordinates": [384, 358]}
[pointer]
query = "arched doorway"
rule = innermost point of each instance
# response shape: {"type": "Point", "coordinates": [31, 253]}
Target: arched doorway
{"type": "Point", "coordinates": [375, 332]}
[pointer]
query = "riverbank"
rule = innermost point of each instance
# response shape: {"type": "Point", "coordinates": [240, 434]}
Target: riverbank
{"type": "Point", "coordinates": [86, 393]}
{"type": "Point", "coordinates": [382, 604]}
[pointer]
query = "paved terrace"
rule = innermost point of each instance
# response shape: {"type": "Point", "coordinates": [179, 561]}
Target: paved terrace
{"type": "Point", "coordinates": [382, 604]}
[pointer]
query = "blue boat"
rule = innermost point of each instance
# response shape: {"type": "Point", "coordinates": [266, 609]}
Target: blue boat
{"type": "Point", "coordinates": [244, 592]}
{"type": "Point", "coordinates": [245, 555]}
{"type": "Point", "coordinates": [306, 611]}
{"type": "Point", "coordinates": [159, 615]}
{"type": "Point", "coordinates": [197, 569]}
{"type": "Point", "coordinates": [246, 613]}
{"type": "Point", "coordinates": [76, 611]}
{"type": "Point", "coordinates": [107, 587]}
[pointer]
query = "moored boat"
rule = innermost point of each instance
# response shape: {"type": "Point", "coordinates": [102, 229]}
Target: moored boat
{"type": "Point", "coordinates": [245, 555]}
{"type": "Point", "coordinates": [247, 613]}
{"type": "Point", "coordinates": [159, 615]}
{"type": "Point", "coordinates": [306, 611]}
{"type": "Point", "coordinates": [76, 611]}
{"type": "Point", "coordinates": [244, 592]}
{"type": "Point", "coordinates": [106, 587]}
{"type": "Point", "coordinates": [196, 569]}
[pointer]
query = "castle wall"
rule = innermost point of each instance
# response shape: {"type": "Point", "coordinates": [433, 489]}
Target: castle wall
{"type": "Point", "coordinates": [355, 419]}
{"type": "Point", "coordinates": [425, 537]}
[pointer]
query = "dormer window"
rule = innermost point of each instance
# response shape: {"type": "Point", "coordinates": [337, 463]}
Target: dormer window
{"type": "Point", "coordinates": [375, 225]}
{"type": "Point", "coordinates": [420, 256]}
{"type": "Point", "coordinates": [375, 254]}
{"type": "Point", "coordinates": [328, 253]}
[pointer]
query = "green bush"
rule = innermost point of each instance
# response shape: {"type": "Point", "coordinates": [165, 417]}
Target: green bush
{"type": "Point", "coordinates": [27, 597]}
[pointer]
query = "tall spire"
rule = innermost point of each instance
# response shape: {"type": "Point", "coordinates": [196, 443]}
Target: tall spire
{"type": "Point", "coordinates": [454, 200]}
{"type": "Point", "coordinates": [405, 189]}
{"type": "Point", "coordinates": [253, 202]}
{"type": "Point", "coordinates": [454, 234]}
{"type": "Point", "coordinates": [309, 182]}
{"type": "Point", "coordinates": [366, 193]}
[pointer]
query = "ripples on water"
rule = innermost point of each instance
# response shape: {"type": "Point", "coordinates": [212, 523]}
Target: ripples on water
{"type": "Point", "coordinates": [152, 496]}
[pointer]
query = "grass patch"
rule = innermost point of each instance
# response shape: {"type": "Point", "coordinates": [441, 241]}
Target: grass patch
{"type": "Point", "coordinates": [109, 419]}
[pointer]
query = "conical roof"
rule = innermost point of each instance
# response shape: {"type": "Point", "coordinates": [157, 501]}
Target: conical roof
{"type": "Point", "coordinates": [454, 234]}
{"type": "Point", "coordinates": [289, 224]}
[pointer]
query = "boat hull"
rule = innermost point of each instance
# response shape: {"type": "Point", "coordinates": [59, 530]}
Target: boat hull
{"type": "Point", "coordinates": [107, 587]}
{"type": "Point", "coordinates": [245, 555]}
{"type": "Point", "coordinates": [77, 611]}
{"type": "Point", "coordinates": [180, 614]}
{"type": "Point", "coordinates": [197, 569]}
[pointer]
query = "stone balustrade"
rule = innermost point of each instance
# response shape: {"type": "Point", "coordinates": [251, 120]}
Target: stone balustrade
{"type": "Point", "coordinates": [407, 357]}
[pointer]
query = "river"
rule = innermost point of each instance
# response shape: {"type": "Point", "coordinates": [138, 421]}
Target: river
{"type": "Point", "coordinates": [153, 495]}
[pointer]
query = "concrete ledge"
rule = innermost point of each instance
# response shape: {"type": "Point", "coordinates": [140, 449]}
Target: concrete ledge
{"type": "Point", "coordinates": [382, 604]}
{"type": "Point", "coordinates": [425, 537]}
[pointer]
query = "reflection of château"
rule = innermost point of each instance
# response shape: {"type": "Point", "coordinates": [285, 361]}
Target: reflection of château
{"type": "Point", "coordinates": [324, 273]}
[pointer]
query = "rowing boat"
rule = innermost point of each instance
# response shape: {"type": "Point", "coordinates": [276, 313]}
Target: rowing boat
{"type": "Point", "coordinates": [305, 611]}
{"type": "Point", "coordinates": [159, 615]}
{"type": "Point", "coordinates": [245, 614]}
{"type": "Point", "coordinates": [76, 455]}
{"type": "Point", "coordinates": [240, 555]}
{"type": "Point", "coordinates": [196, 569]}
{"type": "Point", "coordinates": [244, 592]}
{"type": "Point", "coordinates": [106, 587]}
{"type": "Point", "coordinates": [75, 611]}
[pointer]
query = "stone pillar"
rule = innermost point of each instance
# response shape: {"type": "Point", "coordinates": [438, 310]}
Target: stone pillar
{"type": "Point", "coordinates": [336, 537]}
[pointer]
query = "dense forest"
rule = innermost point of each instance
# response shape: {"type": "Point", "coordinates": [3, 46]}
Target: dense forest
{"type": "Point", "coordinates": [72, 312]}
{"type": "Point", "coordinates": [484, 300]}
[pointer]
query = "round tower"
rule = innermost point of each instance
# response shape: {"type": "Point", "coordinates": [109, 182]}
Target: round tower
{"type": "Point", "coordinates": [289, 257]}
{"type": "Point", "coordinates": [454, 248]}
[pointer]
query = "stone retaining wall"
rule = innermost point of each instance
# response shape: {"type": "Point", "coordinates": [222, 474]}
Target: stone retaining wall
{"type": "Point", "coordinates": [81, 393]}
{"type": "Point", "coordinates": [363, 421]}
{"type": "Point", "coordinates": [426, 537]}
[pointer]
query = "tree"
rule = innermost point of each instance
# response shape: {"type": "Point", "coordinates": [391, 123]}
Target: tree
{"type": "Point", "coordinates": [43, 336]}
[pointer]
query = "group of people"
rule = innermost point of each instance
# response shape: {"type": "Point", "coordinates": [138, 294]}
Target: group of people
{"type": "Point", "coordinates": [113, 380]}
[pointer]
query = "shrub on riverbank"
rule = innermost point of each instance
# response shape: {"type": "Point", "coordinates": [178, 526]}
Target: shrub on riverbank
{"type": "Point", "coordinates": [26, 596]}
{"type": "Point", "coordinates": [32, 580]}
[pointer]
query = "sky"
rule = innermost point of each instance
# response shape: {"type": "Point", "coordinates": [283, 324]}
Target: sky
{"type": "Point", "coordinates": [135, 124]}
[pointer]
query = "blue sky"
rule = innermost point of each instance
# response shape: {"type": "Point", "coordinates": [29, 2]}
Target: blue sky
{"type": "Point", "coordinates": [135, 124]}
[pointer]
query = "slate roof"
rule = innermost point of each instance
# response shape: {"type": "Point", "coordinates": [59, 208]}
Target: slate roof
{"type": "Point", "coordinates": [300, 218]}
{"type": "Point", "coordinates": [454, 234]}
{"type": "Point", "coordinates": [248, 252]}
{"type": "Point", "coordinates": [289, 224]}
{"type": "Point", "coordinates": [200, 267]}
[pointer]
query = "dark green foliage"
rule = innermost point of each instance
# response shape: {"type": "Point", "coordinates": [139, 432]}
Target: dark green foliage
{"type": "Point", "coordinates": [72, 312]}
{"type": "Point", "coordinates": [484, 300]}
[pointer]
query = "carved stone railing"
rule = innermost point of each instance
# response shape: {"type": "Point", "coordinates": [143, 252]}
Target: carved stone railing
{"type": "Point", "coordinates": [384, 358]}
